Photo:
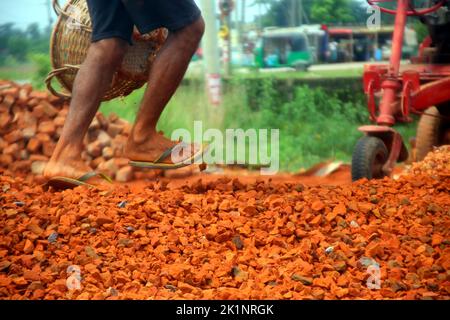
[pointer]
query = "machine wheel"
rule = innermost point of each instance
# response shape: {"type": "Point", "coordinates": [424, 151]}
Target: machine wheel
{"type": "Point", "coordinates": [369, 156]}
{"type": "Point", "coordinates": [429, 132]}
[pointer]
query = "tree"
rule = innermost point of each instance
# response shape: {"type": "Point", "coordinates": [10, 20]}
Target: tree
{"type": "Point", "coordinates": [39, 40]}
{"type": "Point", "coordinates": [18, 48]}
{"type": "Point", "coordinates": [33, 32]}
{"type": "Point", "coordinates": [6, 31]}
{"type": "Point", "coordinates": [18, 44]}
{"type": "Point", "coordinates": [332, 11]}
{"type": "Point", "coordinates": [265, 20]}
{"type": "Point", "coordinates": [279, 12]}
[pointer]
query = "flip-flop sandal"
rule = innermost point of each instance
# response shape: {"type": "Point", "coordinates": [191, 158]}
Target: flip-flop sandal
{"type": "Point", "coordinates": [158, 163]}
{"type": "Point", "coordinates": [63, 183]}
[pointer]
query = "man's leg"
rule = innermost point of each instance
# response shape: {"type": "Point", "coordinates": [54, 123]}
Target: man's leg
{"type": "Point", "coordinates": [92, 81]}
{"type": "Point", "coordinates": [169, 67]}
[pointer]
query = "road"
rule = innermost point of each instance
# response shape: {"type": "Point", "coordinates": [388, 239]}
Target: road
{"type": "Point", "coordinates": [346, 65]}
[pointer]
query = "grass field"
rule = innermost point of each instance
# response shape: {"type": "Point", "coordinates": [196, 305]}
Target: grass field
{"type": "Point", "coordinates": [331, 74]}
{"type": "Point", "coordinates": [315, 126]}
{"type": "Point", "coordinates": [196, 72]}
{"type": "Point", "coordinates": [22, 73]}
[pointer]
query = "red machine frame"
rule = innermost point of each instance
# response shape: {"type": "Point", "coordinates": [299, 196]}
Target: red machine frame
{"type": "Point", "coordinates": [402, 89]}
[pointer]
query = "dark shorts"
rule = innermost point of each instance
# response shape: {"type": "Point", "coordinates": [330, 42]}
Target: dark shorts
{"type": "Point", "coordinates": [116, 18]}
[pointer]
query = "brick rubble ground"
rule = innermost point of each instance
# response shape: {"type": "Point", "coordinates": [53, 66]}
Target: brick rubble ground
{"type": "Point", "coordinates": [229, 240]}
{"type": "Point", "coordinates": [31, 123]}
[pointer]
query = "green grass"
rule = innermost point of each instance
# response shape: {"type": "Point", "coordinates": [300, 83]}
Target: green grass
{"type": "Point", "coordinates": [329, 74]}
{"type": "Point", "coordinates": [189, 104]}
{"type": "Point", "coordinates": [315, 126]}
{"type": "Point", "coordinates": [24, 72]}
{"type": "Point", "coordinates": [125, 108]}
{"type": "Point", "coordinates": [336, 73]}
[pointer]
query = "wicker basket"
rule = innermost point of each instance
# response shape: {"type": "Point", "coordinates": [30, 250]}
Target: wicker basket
{"type": "Point", "coordinates": [70, 41]}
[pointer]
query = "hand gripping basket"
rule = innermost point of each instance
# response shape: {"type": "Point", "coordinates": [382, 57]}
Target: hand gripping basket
{"type": "Point", "coordinates": [70, 41]}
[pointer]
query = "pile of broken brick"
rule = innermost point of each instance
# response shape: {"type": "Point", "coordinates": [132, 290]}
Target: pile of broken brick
{"type": "Point", "coordinates": [31, 123]}
{"type": "Point", "coordinates": [227, 239]}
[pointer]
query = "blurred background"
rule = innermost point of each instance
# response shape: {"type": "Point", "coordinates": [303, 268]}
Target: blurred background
{"type": "Point", "coordinates": [294, 65]}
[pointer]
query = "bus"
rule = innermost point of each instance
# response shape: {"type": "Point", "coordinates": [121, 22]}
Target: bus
{"type": "Point", "coordinates": [284, 47]}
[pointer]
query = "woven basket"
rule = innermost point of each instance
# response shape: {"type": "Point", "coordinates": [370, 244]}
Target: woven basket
{"type": "Point", "coordinates": [70, 41]}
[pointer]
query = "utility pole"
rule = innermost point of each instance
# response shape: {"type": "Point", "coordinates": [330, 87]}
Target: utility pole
{"type": "Point", "coordinates": [211, 53]}
{"type": "Point", "coordinates": [236, 16]}
{"type": "Point", "coordinates": [243, 10]}
{"type": "Point", "coordinates": [300, 12]}
{"type": "Point", "coordinates": [304, 15]}
{"type": "Point", "coordinates": [293, 14]}
{"type": "Point", "coordinates": [227, 49]}
{"type": "Point", "coordinates": [259, 17]}
{"type": "Point", "coordinates": [240, 22]}
{"type": "Point", "coordinates": [242, 25]}
{"type": "Point", "coordinates": [226, 8]}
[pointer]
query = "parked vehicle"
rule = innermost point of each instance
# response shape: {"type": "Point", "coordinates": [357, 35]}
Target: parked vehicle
{"type": "Point", "coordinates": [284, 47]}
{"type": "Point", "coordinates": [395, 91]}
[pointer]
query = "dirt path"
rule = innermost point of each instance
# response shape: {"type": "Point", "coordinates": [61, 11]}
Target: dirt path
{"type": "Point", "coordinates": [339, 177]}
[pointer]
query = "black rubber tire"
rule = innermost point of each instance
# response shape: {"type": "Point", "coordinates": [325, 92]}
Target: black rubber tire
{"type": "Point", "coordinates": [428, 132]}
{"type": "Point", "coordinates": [369, 156]}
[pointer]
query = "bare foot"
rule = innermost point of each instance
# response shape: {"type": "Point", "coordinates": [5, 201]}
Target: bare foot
{"type": "Point", "coordinates": [70, 168]}
{"type": "Point", "coordinates": [153, 148]}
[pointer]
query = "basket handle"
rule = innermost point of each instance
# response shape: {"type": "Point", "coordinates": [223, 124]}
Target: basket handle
{"type": "Point", "coordinates": [57, 8]}
{"type": "Point", "coordinates": [54, 73]}
{"type": "Point", "coordinates": [60, 12]}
